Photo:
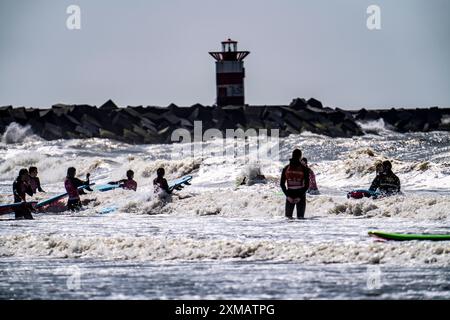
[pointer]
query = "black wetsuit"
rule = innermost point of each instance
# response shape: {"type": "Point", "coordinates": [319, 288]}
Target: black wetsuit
{"type": "Point", "coordinates": [297, 177]}
{"type": "Point", "coordinates": [386, 182]}
{"type": "Point", "coordinates": [161, 184]}
{"type": "Point", "coordinates": [20, 190]}
{"type": "Point", "coordinates": [35, 184]}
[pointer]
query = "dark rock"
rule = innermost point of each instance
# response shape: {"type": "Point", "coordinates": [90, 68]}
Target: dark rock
{"type": "Point", "coordinates": [62, 109]}
{"type": "Point", "coordinates": [298, 104]}
{"type": "Point", "coordinates": [108, 134]}
{"type": "Point", "coordinates": [155, 124]}
{"type": "Point", "coordinates": [18, 114]}
{"type": "Point", "coordinates": [148, 124]}
{"type": "Point", "coordinates": [88, 119]}
{"type": "Point", "coordinates": [152, 115]}
{"type": "Point", "coordinates": [132, 112]}
{"type": "Point", "coordinates": [434, 118]}
{"type": "Point", "coordinates": [293, 123]}
{"type": "Point", "coordinates": [170, 118]}
{"type": "Point", "coordinates": [5, 116]}
{"type": "Point", "coordinates": [52, 132]}
{"type": "Point", "coordinates": [315, 103]}
{"type": "Point", "coordinates": [130, 136]}
{"type": "Point", "coordinates": [108, 106]}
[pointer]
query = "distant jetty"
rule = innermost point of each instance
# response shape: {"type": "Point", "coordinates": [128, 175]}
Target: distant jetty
{"type": "Point", "coordinates": [151, 124]}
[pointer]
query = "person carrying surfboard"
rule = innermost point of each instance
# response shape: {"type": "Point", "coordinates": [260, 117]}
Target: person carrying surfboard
{"type": "Point", "coordinates": [21, 188]}
{"type": "Point", "coordinates": [34, 181]}
{"type": "Point", "coordinates": [129, 183]}
{"type": "Point", "coordinates": [296, 176]}
{"type": "Point", "coordinates": [160, 183]}
{"type": "Point", "coordinates": [71, 183]}
{"type": "Point", "coordinates": [386, 181]}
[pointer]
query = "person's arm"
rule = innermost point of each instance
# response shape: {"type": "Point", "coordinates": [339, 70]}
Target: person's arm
{"type": "Point", "coordinates": [165, 186]}
{"type": "Point", "coordinates": [78, 183]}
{"type": "Point", "coordinates": [306, 180]}
{"type": "Point", "coordinates": [118, 182]}
{"type": "Point", "coordinates": [397, 182]}
{"type": "Point", "coordinates": [283, 181]}
{"type": "Point", "coordinates": [375, 184]}
{"type": "Point", "coordinates": [312, 180]}
{"type": "Point", "coordinates": [39, 185]}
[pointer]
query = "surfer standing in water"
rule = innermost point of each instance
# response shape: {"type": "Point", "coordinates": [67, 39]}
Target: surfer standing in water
{"type": "Point", "coordinates": [386, 181]}
{"type": "Point", "coordinates": [34, 181]}
{"type": "Point", "coordinates": [21, 188]}
{"type": "Point", "coordinates": [71, 184]}
{"type": "Point", "coordinates": [296, 176]}
{"type": "Point", "coordinates": [129, 183]}
{"type": "Point", "coordinates": [160, 183]}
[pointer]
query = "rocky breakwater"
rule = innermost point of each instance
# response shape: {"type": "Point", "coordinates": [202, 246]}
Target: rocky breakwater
{"type": "Point", "coordinates": [155, 124]}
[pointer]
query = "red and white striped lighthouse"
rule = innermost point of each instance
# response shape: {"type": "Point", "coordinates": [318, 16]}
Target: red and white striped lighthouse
{"type": "Point", "coordinates": [230, 74]}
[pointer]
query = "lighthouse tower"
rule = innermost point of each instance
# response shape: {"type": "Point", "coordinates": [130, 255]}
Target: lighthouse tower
{"type": "Point", "coordinates": [230, 74]}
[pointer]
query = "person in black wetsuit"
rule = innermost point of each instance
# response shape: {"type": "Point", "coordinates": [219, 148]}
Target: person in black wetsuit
{"type": "Point", "coordinates": [71, 184]}
{"type": "Point", "coordinates": [34, 181]}
{"type": "Point", "coordinates": [21, 188]}
{"type": "Point", "coordinates": [386, 181]}
{"type": "Point", "coordinates": [296, 176]}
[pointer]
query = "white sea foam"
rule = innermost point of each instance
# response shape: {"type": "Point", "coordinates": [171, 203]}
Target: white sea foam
{"type": "Point", "coordinates": [161, 248]}
{"type": "Point", "coordinates": [15, 133]}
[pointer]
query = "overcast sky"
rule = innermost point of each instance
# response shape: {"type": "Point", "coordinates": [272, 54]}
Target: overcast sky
{"type": "Point", "coordinates": [155, 52]}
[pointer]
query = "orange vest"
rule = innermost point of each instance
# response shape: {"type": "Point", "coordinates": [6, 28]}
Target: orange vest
{"type": "Point", "coordinates": [295, 178]}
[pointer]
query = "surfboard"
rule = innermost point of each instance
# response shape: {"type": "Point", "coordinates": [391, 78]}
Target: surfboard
{"type": "Point", "coordinates": [9, 208]}
{"type": "Point", "coordinates": [106, 187]}
{"type": "Point", "coordinates": [179, 182]}
{"type": "Point", "coordinates": [409, 236]}
{"type": "Point", "coordinates": [57, 197]}
{"type": "Point", "coordinates": [108, 209]}
{"type": "Point", "coordinates": [362, 193]}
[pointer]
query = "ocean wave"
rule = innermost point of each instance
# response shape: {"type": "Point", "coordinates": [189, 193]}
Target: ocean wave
{"type": "Point", "coordinates": [15, 133]}
{"type": "Point", "coordinates": [160, 248]}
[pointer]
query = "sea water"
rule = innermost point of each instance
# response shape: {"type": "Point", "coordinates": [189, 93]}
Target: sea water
{"type": "Point", "coordinates": [218, 239]}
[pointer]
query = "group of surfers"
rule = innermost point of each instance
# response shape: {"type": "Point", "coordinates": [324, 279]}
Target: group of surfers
{"type": "Point", "coordinates": [28, 183]}
{"type": "Point", "coordinates": [296, 180]}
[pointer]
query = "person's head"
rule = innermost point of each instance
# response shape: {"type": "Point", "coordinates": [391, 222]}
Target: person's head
{"type": "Point", "coordinates": [130, 174]}
{"type": "Point", "coordinates": [379, 167]}
{"type": "Point", "coordinates": [160, 172]}
{"type": "Point", "coordinates": [71, 172]}
{"type": "Point", "coordinates": [304, 161]}
{"type": "Point", "coordinates": [33, 171]}
{"type": "Point", "coordinates": [387, 165]}
{"type": "Point", "coordinates": [296, 155]}
{"type": "Point", "coordinates": [23, 174]}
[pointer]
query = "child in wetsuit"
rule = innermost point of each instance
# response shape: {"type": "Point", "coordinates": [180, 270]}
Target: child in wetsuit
{"type": "Point", "coordinates": [160, 183]}
{"type": "Point", "coordinates": [71, 184]}
{"type": "Point", "coordinates": [21, 188]}
{"type": "Point", "coordinates": [313, 189]}
{"type": "Point", "coordinates": [34, 181]}
{"type": "Point", "coordinates": [129, 184]}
